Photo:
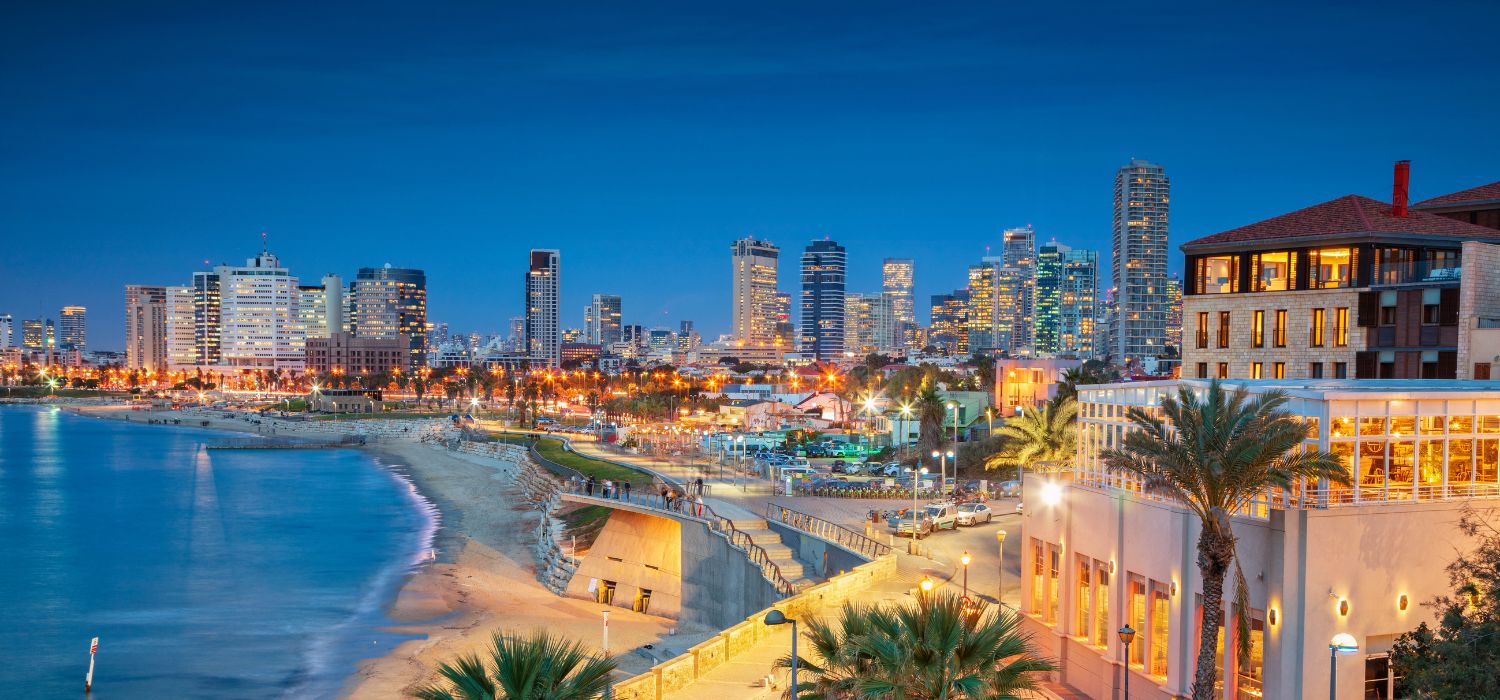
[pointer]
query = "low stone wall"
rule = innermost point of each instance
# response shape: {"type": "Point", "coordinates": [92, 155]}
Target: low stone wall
{"type": "Point", "coordinates": [682, 671]}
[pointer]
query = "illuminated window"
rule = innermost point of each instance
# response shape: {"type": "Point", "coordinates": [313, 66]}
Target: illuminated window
{"type": "Point", "coordinates": [1038, 568]}
{"type": "Point", "coordinates": [1223, 329]}
{"type": "Point", "coordinates": [1258, 329]}
{"type": "Point", "coordinates": [1083, 598]}
{"type": "Point", "coordinates": [1315, 337]}
{"type": "Point", "coordinates": [1137, 619]}
{"type": "Point", "coordinates": [1218, 274]}
{"type": "Point", "coordinates": [1223, 370]}
{"type": "Point", "coordinates": [1256, 370]}
{"type": "Point", "coordinates": [1161, 614]}
{"type": "Point", "coordinates": [1278, 334]}
{"type": "Point", "coordinates": [1275, 272]}
{"type": "Point", "coordinates": [1054, 581]}
{"type": "Point", "coordinates": [1341, 329]}
{"type": "Point", "coordinates": [1278, 370]}
{"type": "Point", "coordinates": [1328, 268]}
{"type": "Point", "coordinates": [1101, 605]}
{"type": "Point", "coordinates": [1202, 329]}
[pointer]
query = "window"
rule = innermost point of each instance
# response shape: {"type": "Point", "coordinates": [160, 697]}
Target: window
{"type": "Point", "coordinates": [1054, 580]}
{"type": "Point", "coordinates": [1278, 335]}
{"type": "Point", "coordinates": [1161, 615]}
{"type": "Point", "coordinates": [1387, 360]}
{"type": "Point", "coordinates": [1278, 370]}
{"type": "Point", "coordinates": [1395, 265]}
{"type": "Point", "coordinates": [1218, 274]}
{"type": "Point", "coordinates": [1315, 337]}
{"type": "Point", "coordinates": [1223, 329]}
{"type": "Point", "coordinates": [1328, 268]}
{"type": "Point", "coordinates": [1341, 327]}
{"type": "Point", "coordinates": [1381, 681]}
{"type": "Point", "coordinates": [1136, 618]}
{"type": "Point", "coordinates": [1387, 308]}
{"type": "Point", "coordinates": [1256, 370]}
{"type": "Point", "coordinates": [1101, 605]}
{"type": "Point", "coordinates": [1274, 272]}
{"type": "Point", "coordinates": [1038, 568]}
{"type": "Point", "coordinates": [1203, 370]}
{"type": "Point", "coordinates": [1223, 370]}
{"type": "Point", "coordinates": [1202, 329]}
{"type": "Point", "coordinates": [1432, 314]}
{"type": "Point", "coordinates": [1340, 370]}
{"type": "Point", "coordinates": [1083, 598]}
{"type": "Point", "coordinates": [1315, 370]}
{"type": "Point", "coordinates": [1258, 329]}
{"type": "Point", "coordinates": [1429, 364]}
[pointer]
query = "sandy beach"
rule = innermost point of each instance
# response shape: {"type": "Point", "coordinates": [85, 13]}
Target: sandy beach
{"type": "Point", "coordinates": [482, 577]}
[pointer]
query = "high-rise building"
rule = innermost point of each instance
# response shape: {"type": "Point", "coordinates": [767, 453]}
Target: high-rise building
{"type": "Point", "coordinates": [391, 302]}
{"type": "Point", "coordinates": [1174, 314]}
{"type": "Point", "coordinates": [1020, 258]}
{"type": "Point", "coordinates": [661, 341]}
{"type": "Point", "coordinates": [824, 265]}
{"type": "Point", "coordinates": [753, 292]}
{"type": "Point", "coordinates": [7, 330]}
{"type": "Point", "coordinates": [950, 322]}
{"type": "Point", "coordinates": [207, 314]}
{"type": "Point", "coordinates": [258, 310]}
{"type": "Point", "coordinates": [312, 311]}
{"type": "Point", "coordinates": [1066, 300]}
{"type": "Point", "coordinates": [543, 284]}
{"type": "Point", "coordinates": [869, 323]}
{"type": "Point", "coordinates": [897, 276]}
{"type": "Point", "coordinates": [1142, 198]}
{"type": "Point", "coordinates": [687, 338]}
{"type": "Point", "coordinates": [572, 335]}
{"type": "Point", "coordinates": [146, 327]}
{"type": "Point", "coordinates": [72, 328]}
{"type": "Point", "coordinates": [982, 317]}
{"type": "Point", "coordinates": [36, 334]}
{"type": "Point", "coordinates": [182, 328]}
{"type": "Point", "coordinates": [601, 320]}
{"type": "Point", "coordinates": [785, 334]}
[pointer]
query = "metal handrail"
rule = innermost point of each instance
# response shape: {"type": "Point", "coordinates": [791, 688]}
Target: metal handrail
{"type": "Point", "coordinates": [681, 505]}
{"type": "Point", "coordinates": [858, 542]}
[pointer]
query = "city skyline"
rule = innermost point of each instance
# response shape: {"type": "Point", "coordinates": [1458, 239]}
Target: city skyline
{"type": "Point", "coordinates": [187, 180]}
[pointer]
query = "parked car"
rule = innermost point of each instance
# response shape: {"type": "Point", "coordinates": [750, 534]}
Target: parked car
{"type": "Point", "coordinates": [846, 467]}
{"type": "Point", "coordinates": [895, 469]}
{"type": "Point", "coordinates": [1010, 489]}
{"type": "Point", "coordinates": [919, 526]}
{"type": "Point", "coordinates": [797, 472]}
{"type": "Point", "coordinates": [943, 516]}
{"type": "Point", "coordinates": [973, 514]}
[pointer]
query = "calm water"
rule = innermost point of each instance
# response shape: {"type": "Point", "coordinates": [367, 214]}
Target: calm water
{"type": "Point", "coordinates": [245, 574]}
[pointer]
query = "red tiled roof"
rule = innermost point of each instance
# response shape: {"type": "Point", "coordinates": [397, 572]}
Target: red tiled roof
{"type": "Point", "coordinates": [1349, 214]}
{"type": "Point", "coordinates": [1481, 193]}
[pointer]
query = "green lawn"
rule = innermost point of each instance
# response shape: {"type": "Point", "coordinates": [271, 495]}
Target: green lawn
{"type": "Point", "coordinates": [585, 522]}
{"type": "Point", "coordinates": [552, 450]}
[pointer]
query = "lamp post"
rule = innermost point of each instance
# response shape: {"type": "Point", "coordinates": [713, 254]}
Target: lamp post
{"type": "Point", "coordinates": [965, 559]}
{"type": "Point", "coordinates": [1342, 643]}
{"type": "Point", "coordinates": [916, 479]}
{"type": "Point", "coordinates": [1000, 588]}
{"type": "Point", "coordinates": [925, 587]}
{"type": "Point", "coordinates": [776, 617]}
{"type": "Point", "coordinates": [1127, 635]}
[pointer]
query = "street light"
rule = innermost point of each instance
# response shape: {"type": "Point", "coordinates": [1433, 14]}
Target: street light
{"type": "Point", "coordinates": [916, 479]}
{"type": "Point", "coordinates": [925, 586]}
{"type": "Point", "coordinates": [1127, 635]}
{"type": "Point", "coordinates": [1000, 589]}
{"type": "Point", "coordinates": [1342, 643]}
{"type": "Point", "coordinates": [965, 559]}
{"type": "Point", "coordinates": [776, 617]}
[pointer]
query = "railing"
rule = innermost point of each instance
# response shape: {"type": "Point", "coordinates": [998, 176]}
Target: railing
{"type": "Point", "coordinates": [866, 547]}
{"type": "Point", "coordinates": [687, 507]}
{"type": "Point", "coordinates": [1416, 272]}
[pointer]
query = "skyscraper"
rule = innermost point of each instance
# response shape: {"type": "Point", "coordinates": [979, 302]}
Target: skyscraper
{"type": "Point", "coordinates": [785, 334]}
{"type": "Point", "coordinates": [601, 320]}
{"type": "Point", "coordinates": [1020, 258]}
{"type": "Point", "coordinates": [7, 330]}
{"type": "Point", "coordinates": [146, 327]}
{"type": "Point", "coordinates": [206, 316]}
{"type": "Point", "coordinates": [182, 328]}
{"type": "Point", "coordinates": [35, 333]}
{"type": "Point", "coordinates": [753, 292]}
{"type": "Point", "coordinates": [391, 302]}
{"type": "Point", "coordinates": [72, 328]}
{"type": "Point", "coordinates": [824, 264]}
{"type": "Point", "coordinates": [1067, 282]}
{"type": "Point", "coordinates": [312, 311]}
{"type": "Point", "coordinates": [258, 308]}
{"type": "Point", "coordinates": [687, 337]}
{"type": "Point", "coordinates": [950, 322]}
{"type": "Point", "coordinates": [897, 275]}
{"type": "Point", "coordinates": [981, 318]}
{"type": "Point", "coordinates": [869, 323]}
{"type": "Point", "coordinates": [1142, 198]}
{"type": "Point", "coordinates": [1174, 314]}
{"type": "Point", "coordinates": [543, 284]}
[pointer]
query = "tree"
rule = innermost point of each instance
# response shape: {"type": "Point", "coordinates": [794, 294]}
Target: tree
{"type": "Point", "coordinates": [930, 410]}
{"type": "Point", "coordinates": [1047, 434]}
{"type": "Point", "coordinates": [538, 666]}
{"type": "Point", "coordinates": [1213, 456]}
{"type": "Point", "coordinates": [1091, 372]}
{"type": "Point", "coordinates": [926, 650]}
{"type": "Point", "coordinates": [1459, 659]}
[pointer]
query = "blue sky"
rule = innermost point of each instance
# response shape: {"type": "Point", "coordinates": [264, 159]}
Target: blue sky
{"type": "Point", "coordinates": [139, 139]}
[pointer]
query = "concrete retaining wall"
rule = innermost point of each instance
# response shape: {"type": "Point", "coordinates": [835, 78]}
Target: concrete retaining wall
{"type": "Point", "coordinates": [675, 674]}
{"type": "Point", "coordinates": [823, 558]}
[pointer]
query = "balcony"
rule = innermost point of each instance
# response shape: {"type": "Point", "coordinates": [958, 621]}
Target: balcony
{"type": "Point", "coordinates": [1416, 273]}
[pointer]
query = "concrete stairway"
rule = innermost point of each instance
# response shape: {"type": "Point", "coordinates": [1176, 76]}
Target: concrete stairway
{"type": "Point", "coordinates": [783, 556]}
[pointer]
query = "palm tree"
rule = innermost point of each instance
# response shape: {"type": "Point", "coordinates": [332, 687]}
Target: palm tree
{"type": "Point", "coordinates": [538, 666]}
{"type": "Point", "coordinates": [932, 649]}
{"type": "Point", "coordinates": [1214, 456]}
{"type": "Point", "coordinates": [1048, 434]}
{"type": "Point", "coordinates": [930, 409]}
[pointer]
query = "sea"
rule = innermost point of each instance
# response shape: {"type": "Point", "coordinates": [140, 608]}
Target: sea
{"type": "Point", "coordinates": [203, 573]}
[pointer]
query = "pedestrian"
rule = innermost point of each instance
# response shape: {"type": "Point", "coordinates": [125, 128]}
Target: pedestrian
{"type": "Point", "coordinates": [664, 503]}
{"type": "Point", "coordinates": [699, 485]}
{"type": "Point", "coordinates": [700, 505]}
{"type": "Point", "coordinates": [627, 490]}
{"type": "Point", "coordinates": [588, 488]}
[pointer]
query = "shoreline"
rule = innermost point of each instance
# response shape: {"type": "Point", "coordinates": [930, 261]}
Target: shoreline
{"type": "Point", "coordinates": [478, 575]}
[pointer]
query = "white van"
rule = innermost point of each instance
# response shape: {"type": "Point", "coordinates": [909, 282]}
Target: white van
{"type": "Point", "coordinates": [797, 472]}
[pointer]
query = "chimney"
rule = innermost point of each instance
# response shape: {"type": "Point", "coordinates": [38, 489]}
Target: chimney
{"type": "Point", "coordinates": [1398, 191]}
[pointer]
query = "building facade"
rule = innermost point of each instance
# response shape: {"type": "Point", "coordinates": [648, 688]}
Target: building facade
{"type": "Point", "coordinates": [391, 302]}
{"type": "Point", "coordinates": [207, 314]}
{"type": "Point", "coordinates": [1020, 263]}
{"type": "Point", "coordinates": [72, 328]}
{"type": "Point", "coordinates": [1352, 287]}
{"type": "Point", "coordinates": [146, 327]}
{"type": "Point", "coordinates": [897, 276]}
{"type": "Point", "coordinates": [1142, 201]}
{"type": "Point", "coordinates": [182, 328]}
{"type": "Point", "coordinates": [543, 283]}
{"type": "Point", "coordinates": [753, 292]}
{"type": "Point", "coordinates": [824, 265]}
{"type": "Point", "coordinates": [258, 309]}
{"type": "Point", "coordinates": [7, 331]}
{"type": "Point", "coordinates": [349, 354]}
{"type": "Point", "coordinates": [949, 331]}
{"type": "Point", "coordinates": [1099, 553]}
{"type": "Point", "coordinates": [601, 320]}
{"type": "Point", "coordinates": [982, 318]}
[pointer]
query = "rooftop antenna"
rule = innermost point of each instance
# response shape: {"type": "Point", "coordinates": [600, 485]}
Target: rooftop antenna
{"type": "Point", "coordinates": [264, 245]}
